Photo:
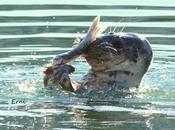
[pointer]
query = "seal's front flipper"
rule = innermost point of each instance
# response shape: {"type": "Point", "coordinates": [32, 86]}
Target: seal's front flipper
{"type": "Point", "coordinates": [65, 82]}
{"type": "Point", "coordinates": [60, 75]}
{"type": "Point", "coordinates": [48, 74]}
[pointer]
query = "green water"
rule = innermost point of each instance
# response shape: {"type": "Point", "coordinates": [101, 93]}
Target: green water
{"type": "Point", "coordinates": [33, 32]}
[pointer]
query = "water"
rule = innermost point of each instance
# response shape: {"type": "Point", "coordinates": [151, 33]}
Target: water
{"type": "Point", "coordinates": [33, 32]}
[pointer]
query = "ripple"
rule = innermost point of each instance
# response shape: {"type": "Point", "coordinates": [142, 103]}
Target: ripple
{"type": "Point", "coordinates": [87, 24]}
{"type": "Point", "coordinates": [47, 111]}
{"type": "Point", "coordinates": [169, 112]}
{"type": "Point", "coordinates": [90, 2]}
{"type": "Point", "coordinates": [32, 49]}
{"type": "Point", "coordinates": [93, 12]}
{"type": "Point", "coordinates": [18, 113]}
{"type": "Point", "coordinates": [70, 35]}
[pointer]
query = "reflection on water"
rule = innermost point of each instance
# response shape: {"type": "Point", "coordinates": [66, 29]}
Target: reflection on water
{"type": "Point", "coordinates": [31, 33]}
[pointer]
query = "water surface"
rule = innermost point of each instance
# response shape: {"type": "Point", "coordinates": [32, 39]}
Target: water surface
{"type": "Point", "coordinates": [32, 33]}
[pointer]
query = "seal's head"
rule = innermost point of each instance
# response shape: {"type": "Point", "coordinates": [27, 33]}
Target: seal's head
{"type": "Point", "coordinates": [123, 58]}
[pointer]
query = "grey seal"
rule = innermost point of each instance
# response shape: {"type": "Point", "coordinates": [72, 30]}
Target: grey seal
{"type": "Point", "coordinates": [116, 59]}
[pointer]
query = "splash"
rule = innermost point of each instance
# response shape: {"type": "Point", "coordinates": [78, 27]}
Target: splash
{"type": "Point", "coordinates": [27, 86]}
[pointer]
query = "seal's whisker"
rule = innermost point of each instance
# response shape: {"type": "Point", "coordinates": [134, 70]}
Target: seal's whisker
{"type": "Point", "coordinates": [118, 26]}
{"type": "Point", "coordinates": [110, 29]}
{"type": "Point", "coordinates": [114, 29]}
{"type": "Point", "coordinates": [122, 29]}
